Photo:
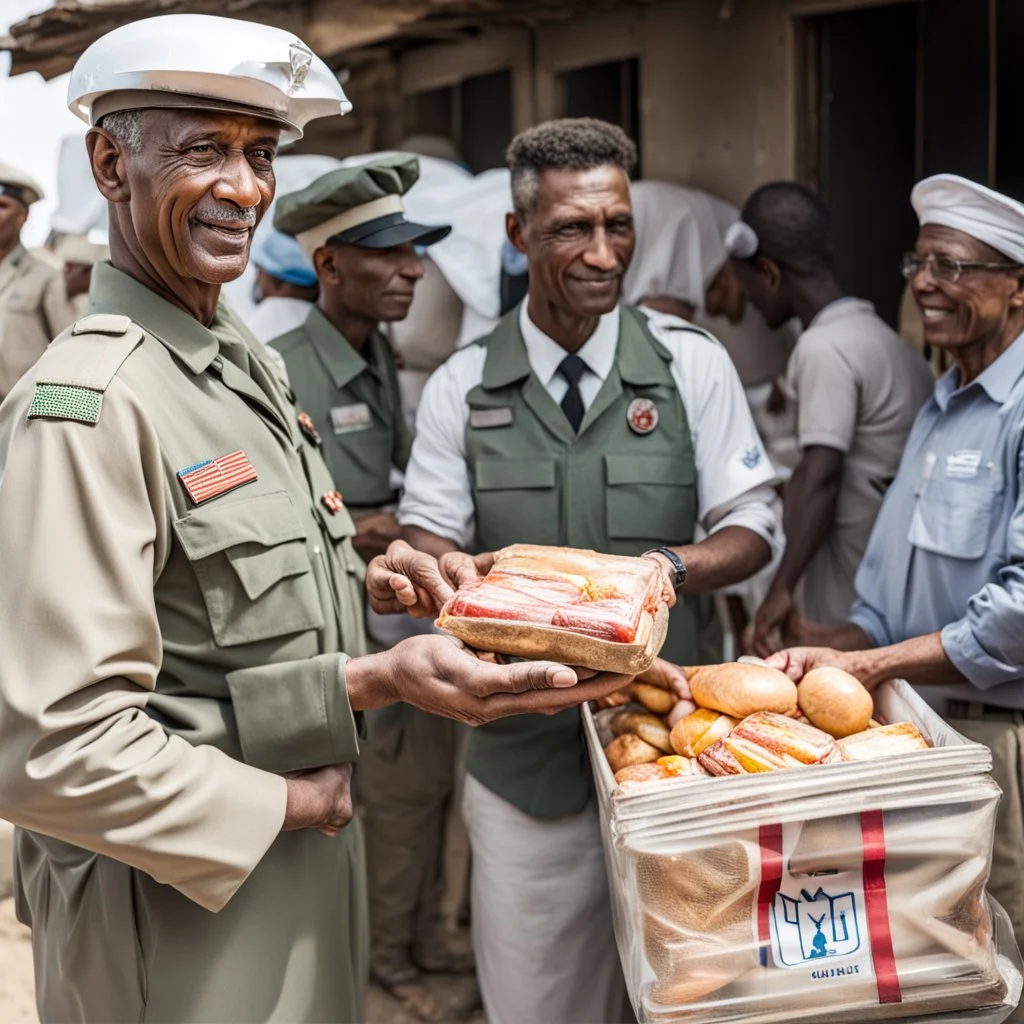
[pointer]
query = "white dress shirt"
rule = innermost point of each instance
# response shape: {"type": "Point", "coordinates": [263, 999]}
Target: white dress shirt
{"type": "Point", "coordinates": [734, 475]}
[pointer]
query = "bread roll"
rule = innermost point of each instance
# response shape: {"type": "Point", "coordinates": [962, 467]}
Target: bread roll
{"type": "Point", "coordinates": [649, 728]}
{"type": "Point", "coordinates": [639, 773]}
{"type": "Point", "coordinates": [676, 765]}
{"type": "Point", "coordinates": [883, 741]}
{"type": "Point", "coordinates": [693, 734]}
{"type": "Point", "coordinates": [739, 690]}
{"type": "Point", "coordinates": [835, 701]}
{"type": "Point", "coordinates": [630, 749]}
{"type": "Point", "coordinates": [765, 741]}
{"type": "Point", "coordinates": [654, 698]}
{"type": "Point", "coordinates": [681, 710]}
{"type": "Point", "coordinates": [627, 721]}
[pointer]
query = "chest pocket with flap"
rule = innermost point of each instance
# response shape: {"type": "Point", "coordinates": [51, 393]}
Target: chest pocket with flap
{"type": "Point", "coordinates": [955, 517]}
{"type": "Point", "coordinates": [516, 501]}
{"type": "Point", "coordinates": [649, 500]}
{"type": "Point", "coordinates": [249, 556]}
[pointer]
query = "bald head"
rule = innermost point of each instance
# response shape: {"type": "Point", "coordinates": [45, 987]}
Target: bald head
{"type": "Point", "coordinates": [792, 227]}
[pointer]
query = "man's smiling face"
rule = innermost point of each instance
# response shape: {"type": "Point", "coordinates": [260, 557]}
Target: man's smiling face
{"type": "Point", "coordinates": [199, 186]}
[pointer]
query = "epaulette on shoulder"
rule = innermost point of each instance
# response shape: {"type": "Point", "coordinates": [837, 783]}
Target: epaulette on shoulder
{"type": "Point", "coordinates": [75, 371]}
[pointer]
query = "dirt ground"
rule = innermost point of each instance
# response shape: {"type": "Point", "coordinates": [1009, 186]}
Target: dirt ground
{"type": "Point", "coordinates": [17, 989]}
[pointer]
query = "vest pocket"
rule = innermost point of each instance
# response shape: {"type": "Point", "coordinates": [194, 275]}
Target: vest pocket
{"type": "Point", "coordinates": [954, 517]}
{"type": "Point", "coordinates": [649, 500]}
{"type": "Point", "coordinates": [250, 558]}
{"type": "Point", "coordinates": [516, 501]}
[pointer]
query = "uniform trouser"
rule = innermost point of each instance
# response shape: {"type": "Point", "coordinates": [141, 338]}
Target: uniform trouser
{"type": "Point", "coordinates": [405, 781]}
{"type": "Point", "coordinates": [111, 944]}
{"type": "Point", "coordinates": [1003, 733]}
{"type": "Point", "coordinates": [542, 924]}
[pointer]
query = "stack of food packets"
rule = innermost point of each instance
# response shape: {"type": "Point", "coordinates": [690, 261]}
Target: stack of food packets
{"type": "Point", "coordinates": [840, 892]}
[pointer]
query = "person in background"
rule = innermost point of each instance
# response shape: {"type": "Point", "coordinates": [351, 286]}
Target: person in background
{"type": "Point", "coordinates": [857, 386]}
{"type": "Point", "coordinates": [352, 226]}
{"type": "Point", "coordinates": [579, 422]}
{"type": "Point", "coordinates": [34, 307]}
{"type": "Point", "coordinates": [940, 592]}
{"type": "Point", "coordinates": [79, 256]}
{"type": "Point", "coordinates": [286, 285]}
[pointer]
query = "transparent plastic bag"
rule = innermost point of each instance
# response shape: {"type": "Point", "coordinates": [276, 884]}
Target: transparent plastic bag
{"type": "Point", "coordinates": [840, 893]}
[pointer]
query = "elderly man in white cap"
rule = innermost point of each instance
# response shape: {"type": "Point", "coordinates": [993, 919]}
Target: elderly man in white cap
{"type": "Point", "coordinates": [33, 305]}
{"type": "Point", "coordinates": [941, 587]}
{"type": "Point", "coordinates": [180, 603]}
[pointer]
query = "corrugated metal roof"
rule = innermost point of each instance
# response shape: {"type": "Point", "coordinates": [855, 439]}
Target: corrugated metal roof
{"type": "Point", "coordinates": [338, 30]}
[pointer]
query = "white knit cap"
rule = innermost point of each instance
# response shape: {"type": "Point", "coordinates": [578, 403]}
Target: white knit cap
{"type": "Point", "coordinates": [954, 202]}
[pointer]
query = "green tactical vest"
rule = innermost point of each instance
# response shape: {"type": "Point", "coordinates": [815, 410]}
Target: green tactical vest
{"type": "Point", "coordinates": [608, 488]}
{"type": "Point", "coordinates": [355, 404]}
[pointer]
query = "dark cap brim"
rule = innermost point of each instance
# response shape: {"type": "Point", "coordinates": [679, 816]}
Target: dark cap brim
{"type": "Point", "coordinates": [391, 231]}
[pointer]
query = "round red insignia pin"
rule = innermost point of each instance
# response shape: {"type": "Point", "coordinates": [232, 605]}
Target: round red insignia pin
{"type": "Point", "coordinates": [332, 502]}
{"type": "Point", "coordinates": [642, 415]}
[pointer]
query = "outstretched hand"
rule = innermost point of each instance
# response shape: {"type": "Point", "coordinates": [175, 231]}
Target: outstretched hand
{"type": "Point", "coordinates": [406, 580]}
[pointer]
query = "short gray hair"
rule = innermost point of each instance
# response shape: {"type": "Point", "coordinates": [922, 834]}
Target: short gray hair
{"type": "Point", "coordinates": [126, 127]}
{"type": "Point", "coordinates": [574, 143]}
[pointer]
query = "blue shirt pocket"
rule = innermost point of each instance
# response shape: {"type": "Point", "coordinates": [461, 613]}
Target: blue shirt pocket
{"type": "Point", "coordinates": [954, 517]}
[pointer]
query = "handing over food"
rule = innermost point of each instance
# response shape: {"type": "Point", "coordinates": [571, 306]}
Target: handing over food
{"type": "Point", "coordinates": [748, 717]}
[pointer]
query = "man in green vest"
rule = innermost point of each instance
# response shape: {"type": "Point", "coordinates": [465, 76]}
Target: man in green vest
{"type": "Point", "coordinates": [579, 422]}
{"type": "Point", "coordinates": [352, 225]}
{"type": "Point", "coordinates": [181, 665]}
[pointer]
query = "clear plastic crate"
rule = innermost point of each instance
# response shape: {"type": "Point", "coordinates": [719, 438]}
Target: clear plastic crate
{"type": "Point", "coordinates": [838, 893]}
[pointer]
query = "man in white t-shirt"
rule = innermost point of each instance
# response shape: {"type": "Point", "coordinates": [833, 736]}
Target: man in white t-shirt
{"type": "Point", "coordinates": [857, 386]}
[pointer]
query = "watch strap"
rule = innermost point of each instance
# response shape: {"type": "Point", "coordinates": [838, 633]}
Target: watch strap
{"type": "Point", "coordinates": [678, 566]}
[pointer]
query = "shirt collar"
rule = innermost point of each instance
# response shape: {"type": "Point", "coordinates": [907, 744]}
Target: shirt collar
{"type": "Point", "coordinates": [997, 380]}
{"type": "Point", "coordinates": [15, 256]}
{"type": "Point", "coordinates": [342, 361]}
{"type": "Point", "coordinates": [545, 354]}
{"type": "Point", "coordinates": [839, 308]}
{"type": "Point", "coordinates": [112, 291]}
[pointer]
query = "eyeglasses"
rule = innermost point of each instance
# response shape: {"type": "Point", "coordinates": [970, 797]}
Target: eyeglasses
{"type": "Point", "coordinates": [945, 268]}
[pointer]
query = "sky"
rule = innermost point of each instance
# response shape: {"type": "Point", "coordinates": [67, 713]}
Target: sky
{"type": "Point", "coordinates": [33, 120]}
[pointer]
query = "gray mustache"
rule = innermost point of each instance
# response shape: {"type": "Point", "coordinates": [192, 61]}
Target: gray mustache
{"type": "Point", "coordinates": [228, 215]}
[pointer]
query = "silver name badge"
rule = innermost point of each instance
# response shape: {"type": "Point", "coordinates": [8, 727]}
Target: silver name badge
{"type": "Point", "coordinates": [346, 419]}
{"type": "Point", "coordinates": [484, 418]}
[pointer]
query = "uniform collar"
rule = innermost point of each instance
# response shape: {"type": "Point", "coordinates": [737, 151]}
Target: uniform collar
{"type": "Point", "coordinates": [341, 360]}
{"type": "Point", "coordinates": [848, 305]}
{"type": "Point", "coordinates": [112, 291]}
{"type": "Point", "coordinates": [545, 354]}
{"type": "Point", "coordinates": [997, 380]}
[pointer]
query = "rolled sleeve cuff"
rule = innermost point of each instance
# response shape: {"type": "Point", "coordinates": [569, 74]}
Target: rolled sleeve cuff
{"type": "Point", "coordinates": [756, 516]}
{"type": "Point", "coordinates": [823, 439]}
{"type": "Point", "coordinates": [971, 660]}
{"type": "Point", "coordinates": [295, 716]}
{"type": "Point", "coordinates": [245, 827]}
{"type": "Point", "coordinates": [462, 538]}
{"type": "Point", "coordinates": [871, 623]}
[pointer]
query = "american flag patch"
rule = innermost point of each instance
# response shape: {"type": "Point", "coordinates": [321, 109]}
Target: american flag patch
{"type": "Point", "coordinates": [210, 479]}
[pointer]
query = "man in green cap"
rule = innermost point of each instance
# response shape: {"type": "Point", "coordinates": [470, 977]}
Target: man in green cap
{"type": "Point", "coordinates": [181, 638]}
{"type": "Point", "coordinates": [585, 423]}
{"type": "Point", "coordinates": [34, 306]}
{"type": "Point", "coordinates": [352, 225]}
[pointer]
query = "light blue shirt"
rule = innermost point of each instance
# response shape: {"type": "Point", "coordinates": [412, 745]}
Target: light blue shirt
{"type": "Point", "coordinates": [947, 549]}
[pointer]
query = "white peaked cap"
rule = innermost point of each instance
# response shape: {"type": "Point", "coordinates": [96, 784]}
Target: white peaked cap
{"type": "Point", "coordinates": [954, 202]}
{"type": "Point", "coordinates": [14, 181]}
{"type": "Point", "coordinates": [199, 61]}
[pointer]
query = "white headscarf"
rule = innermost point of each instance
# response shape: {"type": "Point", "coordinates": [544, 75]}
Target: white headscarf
{"type": "Point", "coordinates": [955, 202]}
{"type": "Point", "coordinates": [679, 246]}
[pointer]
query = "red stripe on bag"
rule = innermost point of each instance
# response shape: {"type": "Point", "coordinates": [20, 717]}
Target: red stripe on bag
{"type": "Point", "coordinates": [877, 907]}
{"type": "Point", "coordinates": [770, 839]}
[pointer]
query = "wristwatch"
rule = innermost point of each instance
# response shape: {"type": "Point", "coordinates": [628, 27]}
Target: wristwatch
{"type": "Point", "coordinates": [678, 566]}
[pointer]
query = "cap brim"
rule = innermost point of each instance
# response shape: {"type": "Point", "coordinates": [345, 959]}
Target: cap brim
{"type": "Point", "coordinates": [394, 235]}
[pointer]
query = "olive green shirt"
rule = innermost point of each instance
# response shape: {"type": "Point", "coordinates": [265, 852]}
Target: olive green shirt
{"type": "Point", "coordinates": [354, 401]}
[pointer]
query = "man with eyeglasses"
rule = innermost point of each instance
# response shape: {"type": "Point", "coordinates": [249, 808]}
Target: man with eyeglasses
{"type": "Point", "coordinates": [941, 588]}
{"type": "Point", "coordinates": [856, 386]}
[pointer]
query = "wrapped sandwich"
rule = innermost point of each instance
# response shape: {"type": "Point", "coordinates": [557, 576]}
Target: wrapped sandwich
{"type": "Point", "coordinates": [603, 612]}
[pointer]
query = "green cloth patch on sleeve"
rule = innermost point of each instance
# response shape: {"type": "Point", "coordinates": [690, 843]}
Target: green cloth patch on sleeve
{"type": "Point", "coordinates": [66, 402]}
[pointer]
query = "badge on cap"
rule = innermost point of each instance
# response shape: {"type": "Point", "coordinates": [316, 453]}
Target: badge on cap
{"type": "Point", "coordinates": [332, 502]}
{"type": "Point", "coordinates": [642, 415]}
{"type": "Point", "coordinates": [309, 430]}
{"type": "Point", "coordinates": [214, 477]}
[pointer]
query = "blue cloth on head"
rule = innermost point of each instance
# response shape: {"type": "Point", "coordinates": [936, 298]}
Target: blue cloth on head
{"type": "Point", "coordinates": [282, 257]}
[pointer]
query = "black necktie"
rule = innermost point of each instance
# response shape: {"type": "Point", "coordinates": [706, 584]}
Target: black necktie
{"type": "Point", "coordinates": [571, 368]}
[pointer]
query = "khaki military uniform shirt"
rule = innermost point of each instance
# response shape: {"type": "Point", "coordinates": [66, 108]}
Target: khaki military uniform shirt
{"type": "Point", "coordinates": [164, 658]}
{"type": "Point", "coordinates": [34, 309]}
{"type": "Point", "coordinates": [858, 386]}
